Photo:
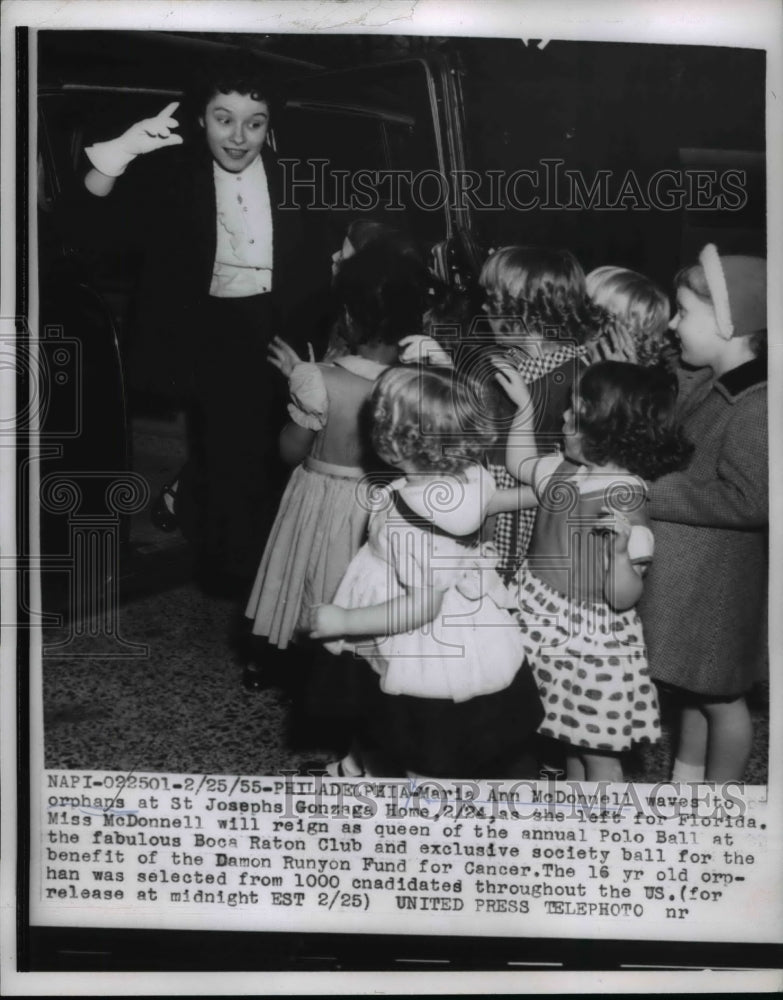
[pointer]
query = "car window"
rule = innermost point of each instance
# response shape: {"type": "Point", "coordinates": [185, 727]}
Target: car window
{"type": "Point", "coordinates": [368, 123]}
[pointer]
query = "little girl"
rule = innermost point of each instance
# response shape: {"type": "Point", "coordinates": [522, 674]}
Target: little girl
{"type": "Point", "coordinates": [540, 317]}
{"type": "Point", "coordinates": [362, 233]}
{"type": "Point", "coordinates": [584, 571]}
{"type": "Point", "coordinates": [321, 520]}
{"type": "Point", "coordinates": [705, 608]}
{"type": "Point", "coordinates": [641, 312]}
{"type": "Point", "coordinates": [454, 696]}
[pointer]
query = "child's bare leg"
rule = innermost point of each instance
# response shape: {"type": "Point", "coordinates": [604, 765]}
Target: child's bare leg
{"type": "Point", "coordinates": [602, 766]}
{"type": "Point", "coordinates": [691, 757]}
{"type": "Point", "coordinates": [575, 767]}
{"type": "Point", "coordinates": [730, 739]}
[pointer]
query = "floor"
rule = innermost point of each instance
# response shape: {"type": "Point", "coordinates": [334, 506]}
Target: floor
{"type": "Point", "coordinates": [162, 691]}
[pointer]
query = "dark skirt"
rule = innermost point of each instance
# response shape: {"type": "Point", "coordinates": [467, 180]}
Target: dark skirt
{"type": "Point", "coordinates": [241, 402]}
{"type": "Point", "coordinates": [436, 737]}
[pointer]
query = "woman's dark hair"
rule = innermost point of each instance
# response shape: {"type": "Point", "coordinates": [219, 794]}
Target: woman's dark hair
{"type": "Point", "coordinates": [239, 72]}
{"type": "Point", "coordinates": [627, 415]}
{"type": "Point", "coordinates": [384, 294]}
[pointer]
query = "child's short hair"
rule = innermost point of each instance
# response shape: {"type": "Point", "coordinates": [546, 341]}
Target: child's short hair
{"type": "Point", "coordinates": [431, 417]}
{"type": "Point", "coordinates": [541, 289]}
{"type": "Point", "coordinates": [640, 307]}
{"type": "Point", "coordinates": [627, 415]}
{"type": "Point", "coordinates": [384, 294]}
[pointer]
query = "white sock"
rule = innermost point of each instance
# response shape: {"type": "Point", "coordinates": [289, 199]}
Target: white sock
{"type": "Point", "coordinates": [170, 500]}
{"type": "Point", "coordinates": [687, 772]}
{"type": "Point", "coordinates": [350, 766]}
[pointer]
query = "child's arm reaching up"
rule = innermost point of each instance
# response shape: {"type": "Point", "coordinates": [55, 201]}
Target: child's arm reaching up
{"type": "Point", "coordinates": [516, 498]}
{"type": "Point", "coordinates": [521, 451]}
{"type": "Point", "coordinates": [309, 406]}
{"type": "Point", "coordinates": [623, 580]}
{"type": "Point", "coordinates": [410, 611]}
{"type": "Point", "coordinates": [284, 357]}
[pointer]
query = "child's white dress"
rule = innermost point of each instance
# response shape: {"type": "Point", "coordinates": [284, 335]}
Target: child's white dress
{"type": "Point", "coordinates": [424, 531]}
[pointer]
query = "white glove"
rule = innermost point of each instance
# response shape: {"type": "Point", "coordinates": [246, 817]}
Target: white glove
{"type": "Point", "coordinates": [112, 157]}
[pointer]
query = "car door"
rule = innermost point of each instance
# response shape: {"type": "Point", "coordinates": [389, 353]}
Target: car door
{"type": "Point", "coordinates": [381, 140]}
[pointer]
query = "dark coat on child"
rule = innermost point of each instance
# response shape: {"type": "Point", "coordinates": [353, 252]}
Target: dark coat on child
{"type": "Point", "coordinates": [704, 606]}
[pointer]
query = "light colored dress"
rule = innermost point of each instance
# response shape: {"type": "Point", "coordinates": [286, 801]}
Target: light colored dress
{"type": "Point", "coordinates": [424, 530]}
{"type": "Point", "coordinates": [322, 519]}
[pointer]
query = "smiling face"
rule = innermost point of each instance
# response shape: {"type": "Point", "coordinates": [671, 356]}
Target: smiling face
{"type": "Point", "coordinates": [697, 329]}
{"type": "Point", "coordinates": [235, 126]}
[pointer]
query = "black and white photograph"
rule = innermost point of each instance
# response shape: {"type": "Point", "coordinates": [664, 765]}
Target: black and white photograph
{"type": "Point", "coordinates": [393, 536]}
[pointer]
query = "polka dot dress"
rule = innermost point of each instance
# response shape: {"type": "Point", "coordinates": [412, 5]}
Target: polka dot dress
{"type": "Point", "coordinates": [590, 664]}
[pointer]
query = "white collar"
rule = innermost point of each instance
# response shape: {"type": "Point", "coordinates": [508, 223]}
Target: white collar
{"type": "Point", "coordinates": [357, 365]}
{"type": "Point", "coordinates": [223, 176]}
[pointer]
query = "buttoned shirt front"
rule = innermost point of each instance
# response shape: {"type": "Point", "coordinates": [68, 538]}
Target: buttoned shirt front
{"type": "Point", "coordinates": [243, 258]}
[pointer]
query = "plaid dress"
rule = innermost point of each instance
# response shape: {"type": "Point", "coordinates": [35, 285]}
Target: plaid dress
{"type": "Point", "coordinates": [550, 378]}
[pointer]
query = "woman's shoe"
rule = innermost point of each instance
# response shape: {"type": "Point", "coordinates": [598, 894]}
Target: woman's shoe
{"type": "Point", "coordinates": [163, 513]}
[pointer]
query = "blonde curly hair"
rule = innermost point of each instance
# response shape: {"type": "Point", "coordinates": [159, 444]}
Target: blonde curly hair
{"type": "Point", "coordinates": [640, 309]}
{"type": "Point", "coordinates": [433, 418]}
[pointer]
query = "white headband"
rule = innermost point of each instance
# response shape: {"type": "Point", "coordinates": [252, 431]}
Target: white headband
{"type": "Point", "coordinates": [719, 293]}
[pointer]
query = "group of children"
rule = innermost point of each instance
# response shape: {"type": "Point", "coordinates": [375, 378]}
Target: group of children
{"type": "Point", "coordinates": [517, 523]}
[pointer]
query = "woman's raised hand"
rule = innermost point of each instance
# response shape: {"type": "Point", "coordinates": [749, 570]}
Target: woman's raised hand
{"type": "Point", "coordinates": [112, 157]}
{"type": "Point", "coordinates": [152, 133]}
{"type": "Point", "coordinates": [284, 357]}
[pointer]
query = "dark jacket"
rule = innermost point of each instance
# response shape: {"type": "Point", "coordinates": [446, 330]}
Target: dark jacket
{"type": "Point", "coordinates": [163, 211]}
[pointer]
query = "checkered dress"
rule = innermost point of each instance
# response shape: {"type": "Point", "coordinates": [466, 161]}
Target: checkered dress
{"type": "Point", "coordinates": [514, 529]}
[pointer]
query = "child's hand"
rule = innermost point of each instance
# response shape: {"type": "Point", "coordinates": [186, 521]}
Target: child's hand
{"type": "Point", "coordinates": [512, 383]}
{"type": "Point", "coordinates": [327, 621]}
{"type": "Point", "coordinates": [284, 357]}
{"type": "Point", "coordinates": [618, 525]}
{"type": "Point", "coordinates": [418, 349]}
{"type": "Point", "coordinates": [617, 344]}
